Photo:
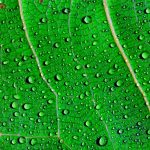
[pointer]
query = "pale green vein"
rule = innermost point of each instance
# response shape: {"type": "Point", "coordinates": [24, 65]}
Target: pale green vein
{"type": "Point", "coordinates": [38, 63]}
{"type": "Point", "coordinates": [123, 53]}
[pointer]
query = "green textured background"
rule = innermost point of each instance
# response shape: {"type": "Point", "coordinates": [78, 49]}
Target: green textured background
{"type": "Point", "coordinates": [99, 105]}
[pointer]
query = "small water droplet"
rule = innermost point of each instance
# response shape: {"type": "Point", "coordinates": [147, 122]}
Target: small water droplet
{"type": "Point", "coordinates": [66, 10]}
{"type": "Point", "coordinates": [120, 131]}
{"type": "Point", "coordinates": [56, 45]}
{"type": "Point", "coordinates": [87, 19]}
{"type": "Point", "coordinates": [87, 123]}
{"type": "Point", "coordinates": [65, 112]}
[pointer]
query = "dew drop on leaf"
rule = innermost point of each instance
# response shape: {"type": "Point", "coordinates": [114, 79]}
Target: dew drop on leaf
{"type": "Point", "coordinates": [30, 79]}
{"type": "Point", "coordinates": [87, 123]}
{"type": "Point", "coordinates": [102, 141]}
{"type": "Point", "coordinates": [43, 20]}
{"type": "Point", "coordinates": [111, 71]}
{"type": "Point", "coordinates": [33, 141]}
{"type": "Point", "coordinates": [87, 19]}
{"type": "Point", "coordinates": [16, 114]}
{"type": "Point", "coordinates": [65, 112]}
{"type": "Point", "coordinates": [17, 96]}
{"type": "Point", "coordinates": [66, 10]}
{"type": "Point", "coordinates": [14, 105]}
{"type": "Point", "coordinates": [144, 55]}
{"type": "Point", "coordinates": [119, 83]}
{"type": "Point", "coordinates": [58, 77]}
{"type": "Point", "coordinates": [21, 140]}
{"type": "Point", "coordinates": [147, 10]}
{"type": "Point", "coordinates": [120, 131]}
{"type": "Point", "coordinates": [148, 132]}
{"type": "Point", "coordinates": [13, 141]}
{"type": "Point", "coordinates": [41, 114]}
{"type": "Point", "coordinates": [140, 37]}
{"type": "Point", "coordinates": [56, 45]}
{"type": "Point", "coordinates": [26, 106]}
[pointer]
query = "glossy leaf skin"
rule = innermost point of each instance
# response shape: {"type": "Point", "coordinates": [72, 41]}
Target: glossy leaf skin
{"type": "Point", "coordinates": [64, 83]}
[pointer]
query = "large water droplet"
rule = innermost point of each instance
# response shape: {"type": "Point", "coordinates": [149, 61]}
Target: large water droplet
{"type": "Point", "coordinates": [21, 140]}
{"type": "Point", "coordinates": [26, 106]}
{"type": "Point", "coordinates": [144, 55]}
{"type": "Point", "coordinates": [33, 141]}
{"type": "Point", "coordinates": [102, 141]}
{"type": "Point", "coordinates": [147, 10]}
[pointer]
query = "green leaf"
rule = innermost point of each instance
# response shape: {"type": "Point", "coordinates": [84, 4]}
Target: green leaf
{"type": "Point", "coordinates": [74, 74]}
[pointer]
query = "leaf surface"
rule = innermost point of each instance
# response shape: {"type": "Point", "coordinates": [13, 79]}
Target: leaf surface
{"type": "Point", "coordinates": [74, 74]}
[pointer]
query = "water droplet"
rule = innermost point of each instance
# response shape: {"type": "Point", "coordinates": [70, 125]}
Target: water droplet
{"type": "Point", "coordinates": [120, 131]}
{"type": "Point", "coordinates": [111, 71]}
{"type": "Point", "coordinates": [65, 112]}
{"type": "Point", "coordinates": [41, 114]}
{"type": "Point", "coordinates": [33, 141]}
{"type": "Point", "coordinates": [87, 19]}
{"type": "Point", "coordinates": [75, 137]}
{"type": "Point", "coordinates": [78, 67]}
{"type": "Point", "coordinates": [119, 83]}
{"type": "Point", "coordinates": [112, 45]}
{"type": "Point", "coordinates": [21, 140]}
{"type": "Point", "coordinates": [43, 20]}
{"type": "Point", "coordinates": [58, 77]}
{"type": "Point", "coordinates": [140, 37]}
{"type": "Point", "coordinates": [56, 45]}
{"type": "Point", "coordinates": [125, 116]}
{"type": "Point", "coordinates": [144, 55]}
{"type": "Point", "coordinates": [46, 63]}
{"type": "Point", "coordinates": [30, 80]}
{"type": "Point", "coordinates": [26, 106]}
{"type": "Point", "coordinates": [49, 101]}
{"type": "Point", "coordinates": [17, 97]}
{"type": "Point", "coordinates": [148, 131]}
{"type": "Point", "coordinates": [102, 141]}
{"type": "Point", "coordinates": [14, 105]}
{"type": "Point", "coordinates": [147, 10]}
{"type": "Point", "coordinates": [94, 43]}
{"type": "Point", "coordinates": [87, 123]}
{"type": "Point", "coordinates": [97, 107]}
{"type": "Point", "coordinates": [16, 114]}
{"type": "Point", "coordinates": [66, 10]}
{"type": "Point", "coordinates": [13, 142]}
